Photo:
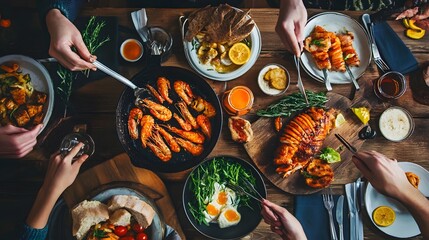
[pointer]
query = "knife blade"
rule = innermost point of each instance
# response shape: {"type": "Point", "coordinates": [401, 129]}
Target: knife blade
{"type": "Point", "coordinates": [360, 205]}
{"type": "Point", "coordinates": [352, 209]}
{"type": "Point", "coordinates": [339, 216]}
{"type": "Point", "coordinates": [367, 23]}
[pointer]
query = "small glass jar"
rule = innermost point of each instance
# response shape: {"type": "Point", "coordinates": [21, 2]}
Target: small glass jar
{"type": "Point", "coordinates": [238, 101]}
{"type": "Point", "coordinates": [390, 86]}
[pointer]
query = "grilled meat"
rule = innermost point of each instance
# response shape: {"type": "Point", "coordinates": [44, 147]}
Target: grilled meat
{"type": "Point", "coordinates": [318, 44]}
{"type": "Point", "coordinates": [349, 53]}
{"type": "Point", "coordinates": [319, 174]}
{"type": "Point", "coordinates": [301, 139]}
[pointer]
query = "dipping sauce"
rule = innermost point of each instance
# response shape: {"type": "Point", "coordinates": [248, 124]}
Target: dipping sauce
{"type": "Point", "coordinates": [238, 101]}
{"type": "Point", "coordinates": [131, 50]}
{"type": "Point", "coordinates": [390, 86]}
{"type": "Point", "coordinates": [396, 124]}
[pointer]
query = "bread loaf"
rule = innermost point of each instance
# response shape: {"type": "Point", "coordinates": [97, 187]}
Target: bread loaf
{"type": "Point", "coordinates": [141, 211]}
{"type": "Point", "coordinates": [120, 217]}
{"type": "Point", "coordinates": [86, 214]}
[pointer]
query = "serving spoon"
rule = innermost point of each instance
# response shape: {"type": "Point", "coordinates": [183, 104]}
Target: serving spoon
{"type": "Point", "coordinates": [137, 91]}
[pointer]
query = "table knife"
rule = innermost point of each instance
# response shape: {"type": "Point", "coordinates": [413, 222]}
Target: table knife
{"type": "Point", "coordinates": [352, 209]}
{"type": "Point", "coordinates": [339, 216]}
{"type": "Point", "coordinates": [360, 185]}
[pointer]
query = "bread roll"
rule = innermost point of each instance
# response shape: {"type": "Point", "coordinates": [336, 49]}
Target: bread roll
{"type": "Point", "coordinates": [241, 129]}
{"type": "Point", "coordinates": [86, 214]}
{"type": "Point", "coordinates": [141, 211]}
{"type": "Point", "coordinates": [120, 217]}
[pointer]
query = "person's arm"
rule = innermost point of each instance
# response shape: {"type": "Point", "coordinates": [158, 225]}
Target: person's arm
{"type": "Point", "coordinates": [16, 142]}
{"type": "Point", "coordinates": [388, 178]}
{"type": "Point", "coordinates": [290, 25]}
{"type": "Point", "coordinates": [282, 222]}
{"type": "Point", "coordinates": [60, 174]}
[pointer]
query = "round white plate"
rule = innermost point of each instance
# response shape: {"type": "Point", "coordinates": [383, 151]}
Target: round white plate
{"type": "Point", "coordinates": [335, 22]}
{"type": "Point", "coordinates": [40, 79]}
{"type": "Point", "coordinates": [207, 71]}
{"type": "Point", "coordinates": [404, 226]}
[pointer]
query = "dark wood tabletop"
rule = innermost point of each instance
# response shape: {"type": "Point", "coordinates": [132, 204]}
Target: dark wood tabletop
{"type": "Point", "coordinates": [95, 102]}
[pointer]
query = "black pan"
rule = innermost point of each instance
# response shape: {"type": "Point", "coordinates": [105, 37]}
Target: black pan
{"type": "Point", "coordinates": [143, 157]}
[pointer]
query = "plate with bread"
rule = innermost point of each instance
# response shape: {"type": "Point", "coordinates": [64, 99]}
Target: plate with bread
{"type": "Point", "coordinates": [404, 225]}
{"type": "Point", "coordinates": [110, 214]}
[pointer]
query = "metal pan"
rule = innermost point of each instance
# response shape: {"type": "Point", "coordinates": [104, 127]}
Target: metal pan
{"type": "Point", "coordinates": [143, 157]}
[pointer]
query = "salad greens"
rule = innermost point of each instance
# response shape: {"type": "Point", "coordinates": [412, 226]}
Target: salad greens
{"type": "Point", "coordinates": [203, 178]}
{"type": "Point", "coordinates": [330, 155]}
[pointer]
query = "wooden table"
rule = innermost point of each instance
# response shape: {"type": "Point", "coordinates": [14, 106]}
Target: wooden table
{"type": "Point", "coordinates": [96, 103]}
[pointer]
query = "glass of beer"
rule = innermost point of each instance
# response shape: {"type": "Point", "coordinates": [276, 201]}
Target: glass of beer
{"type": "Point", "coordinates": [389, 86]}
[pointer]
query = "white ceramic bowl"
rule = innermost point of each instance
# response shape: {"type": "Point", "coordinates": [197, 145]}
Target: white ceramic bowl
{"type": "Point", "coordinates": [396, 124]}
{"type": "Point", "coordinates": [123, 46]}
{"type": "Point", "coordinates": [264, 85]}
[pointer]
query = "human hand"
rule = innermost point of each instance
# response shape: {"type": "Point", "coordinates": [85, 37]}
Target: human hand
{"type": "Point", "coordinates": [62, 172]}
{"type": "Point", "coordinates": [384, 174]}
{"type": "Point", "coordinates": [282, 222]}
{"type": "Point", "coordinates": [16, 142]}
{"type": "Point", "coordinates": [64, 36]}
{"type": "Point", "coordinates": [291, 23]}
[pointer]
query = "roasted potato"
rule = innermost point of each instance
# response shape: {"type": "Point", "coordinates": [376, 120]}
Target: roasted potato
{"type": "Point", "coordinates": [276, 78]}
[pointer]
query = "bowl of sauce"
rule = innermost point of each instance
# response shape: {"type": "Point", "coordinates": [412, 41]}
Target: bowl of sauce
{"type": "Point", "coordinates": [396, 124]}
{"type": "Point", "coordinates": [389, 86]}
{"type": "Point", "coordinates": [131, 50]}
{"type": "Point", "coordinates": [238, 101]}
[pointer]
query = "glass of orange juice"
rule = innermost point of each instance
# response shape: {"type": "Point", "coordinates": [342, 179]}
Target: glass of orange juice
{"type": "Point", "coordinates": [238, 101]}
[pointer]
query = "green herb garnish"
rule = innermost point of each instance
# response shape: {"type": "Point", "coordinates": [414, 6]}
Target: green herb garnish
{"type": "Point", "coordinates": [348, 56]}
{"type": "Point", "coordinates": [99, 233]}
{"type": "Point", "coordinates": [330, 155]}
{"type": "Point", "coordinates": [317, 42]}
{"type": "Point", "coordinates": [308, 175]}
{"type": "Point", "coordinates": [293, 103]}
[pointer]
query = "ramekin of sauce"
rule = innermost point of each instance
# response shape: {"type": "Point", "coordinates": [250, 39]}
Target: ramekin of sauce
{"type": "Point", "coordinates": [131, 50]}
{"type": "Point", "coordinates": [390, 85]}
{"type": "Point", "coordinates": [238, 101]}
{"type": "Point", "coordinates": [396, 124]}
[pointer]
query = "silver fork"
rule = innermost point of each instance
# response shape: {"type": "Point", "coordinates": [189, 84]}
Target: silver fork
{"type": "Point", "coordinates": [375, 53]}
{"type": "Point", "coordinates": [328, 201]}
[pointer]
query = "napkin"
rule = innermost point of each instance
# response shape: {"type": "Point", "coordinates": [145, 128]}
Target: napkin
{"type": "Point", "coordinates": [393, 50]}
{"type": "Point", "coordinates": [314, 218]}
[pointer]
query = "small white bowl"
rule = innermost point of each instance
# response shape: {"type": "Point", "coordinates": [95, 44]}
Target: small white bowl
{"type": "Point", "coordinates": [396, 124]}
{"type": "Point", "coordinates": [265, 86]}
{"type": "Point", "coordinates": [131, 41]}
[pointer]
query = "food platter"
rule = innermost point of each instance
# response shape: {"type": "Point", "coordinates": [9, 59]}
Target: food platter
{"type": "Point", "coordinates": [250, 217]}
{"type": "Point", "coordinates": [208, 71]}
{"type": "Point", "coordinates": [335, 22]}
{"type": "Point", "coordinates": [404, 225]}
{"type": "Point", "coordinates": [40, 79]}
{"type": "Point", "coordinates": [143, 157]}
{"type": "Point", "coordinates": [60, 220]}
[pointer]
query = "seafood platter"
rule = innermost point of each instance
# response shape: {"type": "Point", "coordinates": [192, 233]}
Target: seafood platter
{"type": "Point", "coordinates": [175, 124]}
{"type": "Point", "coordinates": [220, 43]}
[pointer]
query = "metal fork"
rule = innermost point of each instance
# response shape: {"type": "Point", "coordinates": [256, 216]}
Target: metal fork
{"type": "Point", "coordinates": [328, 201]}
{"type": "Point", "coordinates": [375, 53]}
{"type": "Point", "coordinates": [240, 190]}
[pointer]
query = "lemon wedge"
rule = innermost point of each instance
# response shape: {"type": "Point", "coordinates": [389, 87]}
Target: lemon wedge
{"type": "Point", "coordinates": [383, 216]}
{"type": "Point", "coordinates": [339, 120]}
{"type": "Point", "coordinates": [362, 113]}
{"type": "Point", "coordinates": [415, 34]}
{"type": "Point", "coordinates": [239, 53]}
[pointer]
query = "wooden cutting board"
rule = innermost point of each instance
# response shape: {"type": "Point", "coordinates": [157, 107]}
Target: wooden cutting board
{"type": "Point", "coordinates": [119, 170]}
{"type": "Point", "coordinates": [262, 148]}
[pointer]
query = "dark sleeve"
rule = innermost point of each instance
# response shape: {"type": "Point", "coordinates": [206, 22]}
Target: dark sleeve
{"type": "Point", "coordinates": [69, 8]}
{"type": "Point", "coordinates": [29, 233]}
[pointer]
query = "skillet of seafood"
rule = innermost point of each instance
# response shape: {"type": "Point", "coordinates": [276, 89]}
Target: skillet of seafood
{"type": "Point", "coordinates": [175, 125]}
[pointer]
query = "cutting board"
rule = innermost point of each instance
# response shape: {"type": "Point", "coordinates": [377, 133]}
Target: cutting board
{"type": "Point", "coordinates": [262, 148]}
{"type": "Point", "coordinates": [119, 170]}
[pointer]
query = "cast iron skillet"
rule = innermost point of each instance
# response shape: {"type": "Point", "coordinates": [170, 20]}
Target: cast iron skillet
{"type": "Point", "coordinates": [144, 158]}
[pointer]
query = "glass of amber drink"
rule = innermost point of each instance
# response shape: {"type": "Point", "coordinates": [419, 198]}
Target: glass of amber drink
{"type": "Point", "coordinates": [238, 101]}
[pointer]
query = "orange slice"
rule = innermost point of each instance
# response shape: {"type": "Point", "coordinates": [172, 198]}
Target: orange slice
{"type": "Point", "coordinates": [383, 216]}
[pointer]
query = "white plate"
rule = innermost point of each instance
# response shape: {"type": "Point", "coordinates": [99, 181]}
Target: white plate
{"type": "Point", "coordinates": [404, 226]}
{"type": "Point", "coordinates": [40, 79]}
{"type": "Point", "coordinates": [335, 22]}
{"type": "Point", "coordinates": [207, 71]}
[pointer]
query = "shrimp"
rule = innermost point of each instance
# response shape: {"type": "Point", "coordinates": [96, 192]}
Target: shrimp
{"type": "Point", "coordinates": [184, 91]}
{"type": "Point", "coordinates": [159, 148]}
{"type": "Point", "coordinates": [194, 149]}
{"type": "Point", "coordinates": [146, 123]}
{"type": "Point", "coordinates": [206, 127]}
{"type": "Point", "coordinates": [133, 120]}
{"type": "Point", "coordinates": [155, 93]}
{"type": "Point", "coordinates": [168, 138]}
{"type": "Point", "coordinates": [201, 105]}
{"type": "Point", "coordinates": [157, 110]}
{"type": "Point", "coordinates": [163, 86]}
{"type": "Point", "coordinates": [183, 124]}
{"type": "Point", "coordinates": [187, 115]}
{"type": "Point", "coordinates": [194, 137]}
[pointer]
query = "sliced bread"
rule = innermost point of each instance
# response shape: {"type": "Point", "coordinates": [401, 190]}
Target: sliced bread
{"type": "Point", "coordinates": [120, 217]}
{"type": "Point", "coordinates": [86, 214]}
{"type": "Point", "coordinates": [141, 211]}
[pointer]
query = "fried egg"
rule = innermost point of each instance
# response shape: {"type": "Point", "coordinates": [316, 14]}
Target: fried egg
{"type": "Point", "coordinates": [229, 217]}
{"type": "Point", "coordinates": [222, 197]}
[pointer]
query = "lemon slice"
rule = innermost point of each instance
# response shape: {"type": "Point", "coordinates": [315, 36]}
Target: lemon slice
{"type": "Point", "coordinates": [362, 113]}
{"type": "Point", "coordinates": [383, 216]}
{"type": "Point", "coordinates": [339, 120]}
{"type": "Point", "coordinates": [239, 53]}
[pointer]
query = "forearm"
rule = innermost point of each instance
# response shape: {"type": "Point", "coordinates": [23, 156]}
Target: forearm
{"type": "Point", "coordinates": [42, 207]}
{"type": "Point", "coordinates": [418, 206]}
{"type": "Point", "coordinates": [68, 8]}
